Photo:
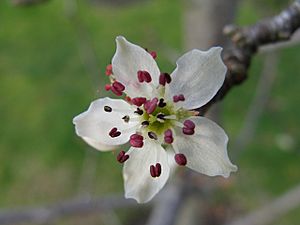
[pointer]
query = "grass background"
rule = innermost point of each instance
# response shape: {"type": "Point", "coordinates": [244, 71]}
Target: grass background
{"type": "Point", "coordinates": [44, 83]}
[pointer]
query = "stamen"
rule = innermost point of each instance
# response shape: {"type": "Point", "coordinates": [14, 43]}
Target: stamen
{"type": "Point", "coordinates": [153, 54]}
{"type": "Point", "coordinates": [168, 136]}
{"type": "Point", "coordinates": [150, 106]}
{"type": "Point", "coordinates": [155, 171]}
{"type": "Point", "coordinates": [152, 171]}
{"type": "Point", "coordinates": [107, 87]}
{"type": "Point", "coordinates": [189, 127]}
{"type": "Point", "coordinates": [158, 169]}
{"type": "Point", "coordinates": [107, 108]}
{"type": "Point", "coordinates": [152, 135]}
{"type": "Point", "coordinates": [145, 123]}
{"type": "Point", "coordinates": [143, 75]}
{"type": "Point", "coordinates": [136, 140]}
{"type": "Point", "coordinates": [114, 132]}
{"type": "Point", "coordinates": [138, 101]}
{"type": "Point", "coordinates": [139, 111]}
{"type": "Point", "coordinates": [108, 70]}
{"type": "Point", "coordinates": [122, 157]}
{"type": "Point", "coordinates": [164, 78]}
{"type": "Point", "coordinates": [177, 98]}
{"type": "Point", "coordinates": [161, 116]}
{"type": "Point", "coordinates": [188, 131]}
{"type": "Point", "coordinates": [117, 88]}
{"type": "Point", "coordinates": [161, 103]}
{"type": "Point", "coordinates": [126, 118]}
{"type": "Point", "coordinates": [189, 124]}
{"type": "Point", "coordinates": [180, 159]}
{"type": "Point", "coordinates": [140, 76]}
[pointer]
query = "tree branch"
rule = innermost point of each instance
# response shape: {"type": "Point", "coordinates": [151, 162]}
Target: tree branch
{"type": "Point", "coordinates": [272, 211]}
{"type": "Point", "coordinates": [246, 42]}
{"type": "Point", "coordinates": [68, 208]}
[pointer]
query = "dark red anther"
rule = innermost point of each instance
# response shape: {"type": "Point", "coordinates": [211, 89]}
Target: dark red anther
{"type": "Point", "coordinates": [139, 111]}
{"type": "Point", "coordinates": [189, 124]}
{"type": "Point", "coordinates": [153, 54]}
{"type": "Point", "coordinates": [189, 127]}
{"type": "Point", "coordinates": [164, 78]}
{"type": "Point", "coordinates": [152, 171]}
{"type": "Point", "coordinates": [161, 103]}
{"type": "Point", "coordinates": [143, 75]}
{"type": "Point", "coordinates": [180, 159]}
{"type": "Point", "coordinates": [152, 135]}
{"type": "Point", "coordinates": [181, 97]}
{"type": "Point", "coordinates": [177, 98]}
{"type": "Point", "coordinates": [155, 171]}
{"type": "Point", "coordinates": [108, 70]}
{"type": "Point", "coordinates": [147, 77]}
{"type": "Point", "coordinates": [114, 132]}
{"type": "Point", "coordinates": [138, 101]}
{"type": "Point", "coordinates": [151, 105]}
{"type": "Point", "coordinates": [107, 87]}
{"type": "Point", "coordinates": [136, 140]}
{"type": "Point", "coordinates": [188, 131]}
{"type": "Point", "coordinates": [140, 76]}
{"type": "Point", "coordinates": [117, 88]}
{"type": "Point", "coordinates": [168, 136]}
{"type": "Point", "coordinates": [125, 157]}
{"type": "Point", "coordinates": [122, 157]}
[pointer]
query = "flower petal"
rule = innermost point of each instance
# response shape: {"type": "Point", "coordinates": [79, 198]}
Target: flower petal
{"type": "Point", "coordinates": [127, 61]}
{"type": "Point", "coordinates": [198, 76]}
{"type": "Point", "coordinates": [99, 145]}
{"type": "Point", "coordinates": [136, 172]}
{"type": "Point", "coordinates": [95, 124]}
{"type": "Point", "coordinates": [206, 150]}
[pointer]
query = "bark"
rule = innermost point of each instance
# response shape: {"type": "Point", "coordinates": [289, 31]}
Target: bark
{"type": "Point", "coordinates": [246, 42]}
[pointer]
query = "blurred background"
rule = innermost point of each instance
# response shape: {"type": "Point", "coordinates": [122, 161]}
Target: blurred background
{"type": "Point", "coordinates": [53, 56]}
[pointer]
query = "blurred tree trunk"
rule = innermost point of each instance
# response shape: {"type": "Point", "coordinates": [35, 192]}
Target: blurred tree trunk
{"type": "Point", "coordinates": [204, 21]}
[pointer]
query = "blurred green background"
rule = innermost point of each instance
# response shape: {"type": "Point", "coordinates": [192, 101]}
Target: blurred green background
{"type": "Point", "coordinates": [46, 78]}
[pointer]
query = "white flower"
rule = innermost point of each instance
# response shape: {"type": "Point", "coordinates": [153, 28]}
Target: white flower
{"type": "Point", "coordinates": [158, 122]}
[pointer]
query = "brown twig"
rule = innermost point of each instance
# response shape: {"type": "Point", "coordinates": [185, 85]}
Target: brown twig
{"type": "Point", "coordinates": [247, 40]}
{"type": "Point", "coordinates": [67, 208]}
{"type": "Point", "coordinates": [273, 210]}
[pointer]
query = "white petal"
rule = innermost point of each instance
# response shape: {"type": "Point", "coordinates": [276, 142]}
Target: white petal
{"type": "Point", "coordinates": [198, 76]}
{"type": "Point", "coordinates": [95, 124]}
{"type": "Point", "coordinates": [206, 150]}
{"type": "Point", "coordinates": [98, 145]}
{"type": "Point", "coordinates": [127, 61]}
{"type": "Point", "coordinates": [138, 182]}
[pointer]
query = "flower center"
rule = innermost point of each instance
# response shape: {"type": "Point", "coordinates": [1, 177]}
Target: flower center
{"type": "Point", "coordinates": [158, 118]}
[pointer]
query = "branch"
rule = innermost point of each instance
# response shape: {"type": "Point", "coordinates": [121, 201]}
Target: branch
{"type": "Point", "coordinates": [246, 42]}
{"type": "Point", "coordinates": [272, 211]}
{"type": "Point", "coordinates": [68, 208]}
